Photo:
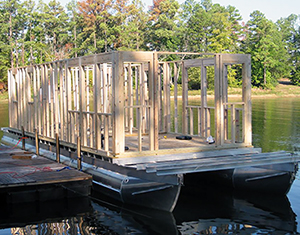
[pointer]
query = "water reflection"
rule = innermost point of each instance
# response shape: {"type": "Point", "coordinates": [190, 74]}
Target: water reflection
{"type": "Point", "coordinates": [209, 212]}
{"type": "Point", "coordinates": [234, 213]}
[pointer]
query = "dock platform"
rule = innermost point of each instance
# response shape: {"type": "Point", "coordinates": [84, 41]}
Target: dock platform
{"type": "Point", "coordinates": [27, 177]}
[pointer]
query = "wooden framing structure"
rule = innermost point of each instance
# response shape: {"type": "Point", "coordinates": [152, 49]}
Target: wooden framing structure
{"type": "Point", "coordinates": [120, 99]}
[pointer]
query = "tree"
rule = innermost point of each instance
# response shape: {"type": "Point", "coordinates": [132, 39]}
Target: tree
{"type": "Point", "coordinates": [72, 11]}
{"type": "Point", "coordinates": [264, 42]}
{"type": "Point", "coordinates": [96, 22]}
{"type": "Point", "coordinates": [290, 37]}
{"type": "Point", "coordinates": [130, 26]}
{"type": "Point", "coordinates": [163, 25]}
{"type": "Point", "coordinates": [55, 25]}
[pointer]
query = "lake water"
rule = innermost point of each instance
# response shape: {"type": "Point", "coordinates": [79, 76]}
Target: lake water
{"type": "Point", "coordinates": [276, 126]}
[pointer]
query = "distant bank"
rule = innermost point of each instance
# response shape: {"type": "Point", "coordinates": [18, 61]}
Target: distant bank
{"type": "Point", "coordinates": [284, 89]}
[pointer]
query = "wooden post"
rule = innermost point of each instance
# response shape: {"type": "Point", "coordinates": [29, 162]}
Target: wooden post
{"type": "Point", "coordinates": [247, 125]}
{"type": "Point", "coordinates": [97, 100]}
{"type": "Point", "coordinates": [184, 99]}
{"type": "Point", "coordinates": [37, 142]}
{"type": "Point", "coordinates": [219, 109]}
{"type": "Point", "coordinates": [130, 98]}
{"type": "Point", "coordinates": [23, 138]}
{"type": "Point", "coordinates": [156, 93]}
{"type": "Point", "coordinates": [225, 100]}
{"type": "Point", "coordinates": [118, 105]}
{"type": "Point", "coordinates": [233, 123]}
{"type": "Point", "coordinates": [9, 80]}
{"type": "Point", "coordinates": [52, 107]}
{"type": "Point", "coordinates": [57, 148]}
{"type": "Point", "coordinates": [191, 121]}
{"type": "Point", "coordinates": [82, 104]}
{"type": "Point", "coordinates": [167, 119]}
{"type": "Point", "coordinates": [79, 153]}
{"type": "Point", "coordinates": [139, 125]}
{"type": "Point", "coordinates": [237, 123]}
{"type": "Point", "coordinates": [68, 100]}
{"type": "Point", "coordinates": [176, 75]}
{"type": "Point", "coordinates": [152, 107]}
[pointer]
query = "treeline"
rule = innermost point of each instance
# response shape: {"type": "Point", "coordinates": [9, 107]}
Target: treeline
{"type": "Point", "coordinates": [33, 32]}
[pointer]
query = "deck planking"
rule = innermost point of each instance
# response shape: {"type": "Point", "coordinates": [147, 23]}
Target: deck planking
{"type": "Point", "coordinates": [34, 172]}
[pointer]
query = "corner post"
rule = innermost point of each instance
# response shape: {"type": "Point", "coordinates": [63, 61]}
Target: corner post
{"type": "Point", "coordinates": [118, 104]}
{"type": "Point", "coordinates": [247, 120]}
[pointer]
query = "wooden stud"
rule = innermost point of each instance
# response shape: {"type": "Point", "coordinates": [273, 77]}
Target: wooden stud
{"type": "Point", "coordinates": [79, 159]}
{"type": "Point", "coordinates": [247, 125]}
{"type": "Point", "coordinates": [106, 133]}
{"type": "Point", "coordinates": [56, 98]}
{"type": "Point", "coordinates": [130, 98]}
{"type": "Point", "coordinates": [233, 123]}
{"type": "Point", "coordinates": [37, 142]}
{"type": "Point", "coordinates": [68, 100]}
{"type": "Point", "coordinates": [52, 107]}
{"type": "Point", "coordinates": [47, 99]}
{"type": "Point", "coordinates": [57, 148]}
{"type": "Point", "coordinates": [10, 103]}
{"type": "Point", "coordinates": [151, 111]}
{"type": "Point", "coordinates": [23, 138]}
{"type": "Point", "coordinates": [118, 105]}
{"type": "Point", "coordinates": [184, 98]}
{"type": "Point", "coordinates": [237, 124]}
{"type": "Point", "coordinates": [191, 121]}
{"type": "Point", "coordinates": [176, 75]}
{"type": "Point", "coordinates": [82, 104]}
{"type": "Point", "coordinates": [203, 100]}
{"type": "Point", "coordinates": [35, 113]}
{"type": "Point", "coordinates": [139, 126]}
{"type": "Point", "coordinates": [156, 97]}
{"type": "Point", "coordinates": [96, 97]}
{"type": "Point", "coordinates": [225, 100]}
{"type": "Point", "coordinates": [39, 120]}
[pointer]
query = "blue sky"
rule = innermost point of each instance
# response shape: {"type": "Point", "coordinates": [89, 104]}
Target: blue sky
{"type": "Point", "coordinates": [273, 9]}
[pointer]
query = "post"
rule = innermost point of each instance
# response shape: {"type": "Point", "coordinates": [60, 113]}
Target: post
{"type": "Point", "coordinates": [23, 138]}
{"type": "Point", "coordinates": [118, 104]}
{"type": "Point", "coordinates": [37, 142]}
{"type": "Point", "coordinates": [156, 96]}
{"type": "Point", "coordinates": [57, 148]}
{"type": "Point", "coordinates": [79, 153]}
{"type": "Point", "coordinates": [184, 99]}
{"type": "Point", "coordinates": [247, 126]}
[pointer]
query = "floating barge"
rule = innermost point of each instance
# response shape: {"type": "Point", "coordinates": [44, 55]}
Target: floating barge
{"type": "Point", "coordinates": [113, 115]}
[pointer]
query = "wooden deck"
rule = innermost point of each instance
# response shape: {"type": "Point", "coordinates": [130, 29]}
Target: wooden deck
{"type": "Point", "coordinates": [24, 173]}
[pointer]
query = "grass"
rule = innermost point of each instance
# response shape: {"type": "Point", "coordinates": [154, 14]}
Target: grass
{"type": "Point", "coordinates": [4, 95]}
{"type": "Point", "coordinates": [283, 89]}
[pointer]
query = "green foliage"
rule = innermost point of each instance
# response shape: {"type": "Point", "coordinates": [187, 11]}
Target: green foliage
{"type": "Point", "coordinates": [264, 42]}
{"type": "Point", "coordinates": [32, 32]}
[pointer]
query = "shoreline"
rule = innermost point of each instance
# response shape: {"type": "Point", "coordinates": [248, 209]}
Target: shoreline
{"type": "Point", "coordinates": [280, 91]}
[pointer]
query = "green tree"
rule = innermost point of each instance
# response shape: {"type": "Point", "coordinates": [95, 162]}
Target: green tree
{"type": "Point", "coordinates": [290, 36]}
{"type": "Point", "coordinates": [72, 11]}
{"type": "Point", "coordinates": [264, 42]}
{"type": "Point", "coordinates": [162, 33]}
{"type": "Point", "coordinates": [96, 23]}
{"type": "Point", "coordinates": [131, 26]}
{"type": "Point", "coordinates": [55, 25]}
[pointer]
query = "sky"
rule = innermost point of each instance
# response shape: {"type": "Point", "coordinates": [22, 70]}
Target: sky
{"type": "Point", "coordinates": [273, 9]}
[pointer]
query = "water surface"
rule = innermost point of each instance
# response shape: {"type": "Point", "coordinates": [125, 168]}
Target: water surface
{"type": "Point", "coordinates": [276, 126]}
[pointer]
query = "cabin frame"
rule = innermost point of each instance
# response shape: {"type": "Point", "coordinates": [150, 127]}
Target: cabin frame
{"type": "Point", "coordinates": [123, 99]}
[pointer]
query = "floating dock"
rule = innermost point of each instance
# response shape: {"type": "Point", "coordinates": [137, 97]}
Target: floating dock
{"type": "Point", "coordinates": [27, 177]}
{"type": "Point", "coordinates": [127, 119]}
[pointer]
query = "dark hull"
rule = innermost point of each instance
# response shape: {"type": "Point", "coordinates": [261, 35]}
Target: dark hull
{"type": "Point", "coordinates": [137, 191]}
{"type": "Point", "coordinates": [269, 179]}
